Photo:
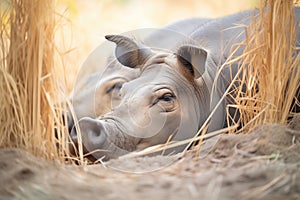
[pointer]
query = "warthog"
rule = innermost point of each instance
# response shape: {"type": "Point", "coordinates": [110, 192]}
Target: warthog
{"type": "Point", "coordinates": [174, 92]}
{"type": "Point", "coordinates": [96, 89]}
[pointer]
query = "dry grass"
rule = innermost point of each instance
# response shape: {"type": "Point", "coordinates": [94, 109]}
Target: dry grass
{"type": "Point", "coordinates": [28, 81]}
{"type": "Point", "coordinates": [271, 73]}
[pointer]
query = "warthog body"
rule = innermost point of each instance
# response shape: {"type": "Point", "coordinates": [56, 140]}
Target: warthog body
{"type": "Point", "coordinates": [174, 92]}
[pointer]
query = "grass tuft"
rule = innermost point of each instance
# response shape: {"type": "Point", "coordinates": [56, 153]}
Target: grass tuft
{"type": "Point", "coordinates": [30, 111]}
{"type": "Point", "coordinates": [270, 63]}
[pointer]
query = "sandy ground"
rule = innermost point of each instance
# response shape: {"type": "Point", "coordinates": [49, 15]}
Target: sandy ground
{"type": "Point", "coordinates": [264, 164]}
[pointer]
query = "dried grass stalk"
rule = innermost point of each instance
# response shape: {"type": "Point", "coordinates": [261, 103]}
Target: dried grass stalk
{"type": "Point", "coordinates": [271, 67]}
{"type": "Point", "coordinates": [28, 80]}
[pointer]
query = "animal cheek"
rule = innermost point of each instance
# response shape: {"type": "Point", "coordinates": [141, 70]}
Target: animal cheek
{"type": "Point", "coordinates": [169, 106]}
{"type": "Point", "coordinates": [115, 100]}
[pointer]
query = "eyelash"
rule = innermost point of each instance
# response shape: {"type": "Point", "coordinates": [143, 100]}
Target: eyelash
{"type": "Point", "coordinates": [162, 98]}
{"type": "Point", "coordinates": [167, 97]}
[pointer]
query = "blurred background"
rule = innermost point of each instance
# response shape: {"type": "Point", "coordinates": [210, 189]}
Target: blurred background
{"type": "Point", "coordinates": [84, 23]}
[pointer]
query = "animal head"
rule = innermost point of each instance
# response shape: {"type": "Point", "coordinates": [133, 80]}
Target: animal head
{"type": "Point", "coordinates": [168, 100]}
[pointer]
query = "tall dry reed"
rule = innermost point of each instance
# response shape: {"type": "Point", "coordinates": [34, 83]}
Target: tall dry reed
{"type": "Point", "coordinates": [271, 72]}
{"type": "Point", "coordinates": [30, 112]}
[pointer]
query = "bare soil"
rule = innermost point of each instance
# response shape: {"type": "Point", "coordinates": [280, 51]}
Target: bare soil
{"type": "Point", "coordinates": [264, 164]}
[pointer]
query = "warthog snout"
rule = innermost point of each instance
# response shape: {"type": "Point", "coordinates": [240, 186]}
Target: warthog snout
{"type": "Point", "coordinates": [93, 133]}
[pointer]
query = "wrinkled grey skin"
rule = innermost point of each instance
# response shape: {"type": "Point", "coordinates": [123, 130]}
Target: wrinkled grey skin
{"type": "Point", "coordinates": [173, 94]}
{"type": "Point", "coordinates": [96, 89]}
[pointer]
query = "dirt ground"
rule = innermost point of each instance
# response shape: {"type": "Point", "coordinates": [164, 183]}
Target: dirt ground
{"type": "Point", "coordinates": [264, 164]}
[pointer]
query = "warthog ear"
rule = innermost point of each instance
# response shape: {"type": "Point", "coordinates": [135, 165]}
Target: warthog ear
{"type": "Point", "coordinates": [193, 58]}
{"type": "Point", "coordinates": [129, 52]}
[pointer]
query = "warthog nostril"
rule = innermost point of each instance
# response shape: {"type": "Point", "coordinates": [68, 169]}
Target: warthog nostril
{"type": "Point", "coordinates": [93, 133]}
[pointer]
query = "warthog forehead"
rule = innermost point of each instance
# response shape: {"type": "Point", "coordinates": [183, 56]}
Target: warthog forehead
{"type": "Point", "coordinates": [163, 74]}
{"type": "Point", "coordinates": [160, 59]}
{"type": "Point", "coordinates": [165, 68]}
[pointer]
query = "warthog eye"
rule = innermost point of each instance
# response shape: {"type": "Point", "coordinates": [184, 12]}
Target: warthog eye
{"type": "Point", "coordinates": [167, 97]}
{"type": "Point", "coordinates": [116, 86]}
